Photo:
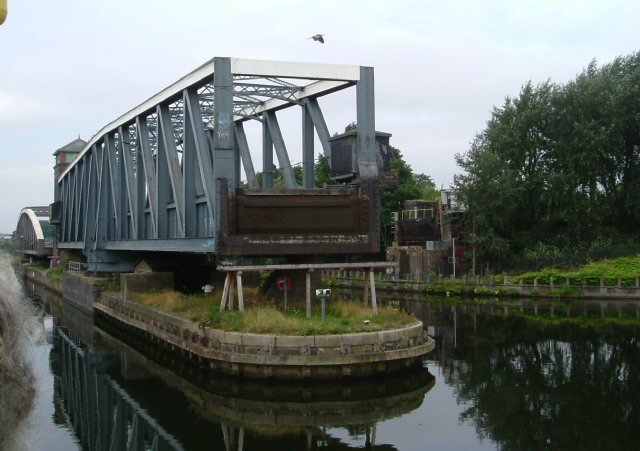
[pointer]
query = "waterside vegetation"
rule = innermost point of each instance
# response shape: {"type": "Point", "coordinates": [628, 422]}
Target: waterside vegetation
{"type": "Point", "coordinates": [269, 318]}
{"type": "Point", "coordinates": [553, 177]}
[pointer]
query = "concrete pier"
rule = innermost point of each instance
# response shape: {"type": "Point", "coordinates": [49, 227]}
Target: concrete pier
{"type": "Point", "coordinates": [269, 355]}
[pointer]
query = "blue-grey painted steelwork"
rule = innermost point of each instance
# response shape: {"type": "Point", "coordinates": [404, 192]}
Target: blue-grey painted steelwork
{"type": "Point", "coordinates": [152, 180]}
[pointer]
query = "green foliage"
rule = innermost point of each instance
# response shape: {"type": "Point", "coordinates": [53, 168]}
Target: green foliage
{"type": "Point", "coordinates": [351, 127]}
{"type": "Point", "coordinates": [278, 177]}
{"type": "Point", "coordinates": [409, 186]}
{"type": "Point", "coordinates": [322, 171]}
{"type": "Point", "coordinates": [342, 317]}
{"type": "Point", "coordinates": [557, 168]}
{"type": "Point", "coordinates": [8, 247]}
{"type": "Point", "coordinates": [565, 292]}
{"type": "Point", "coordinates": [57, 273]}
{"type": "Point", "coordinates": [625, 268]}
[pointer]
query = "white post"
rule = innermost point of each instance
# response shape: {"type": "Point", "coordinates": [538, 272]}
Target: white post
{"type": "Point", "coordinates": [453, 241]}
{"type": "Point", "coordinates": [240, 293]}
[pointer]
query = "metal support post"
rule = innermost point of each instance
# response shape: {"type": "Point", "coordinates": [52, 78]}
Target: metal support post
{"type": "Point", "coordinates": [267, 154]}
{"type": "Point", "coordinates": [308, 154]}
{"type": "Point", "coordinates": [366, 143]}
{"type": "Point", "coordinates": [223, 139]}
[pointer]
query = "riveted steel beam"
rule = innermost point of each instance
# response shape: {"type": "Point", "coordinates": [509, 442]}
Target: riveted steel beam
{"type": "Point", "coordinates": [245, 155]}
{"type": "Point", "coordinates": [281, 150]}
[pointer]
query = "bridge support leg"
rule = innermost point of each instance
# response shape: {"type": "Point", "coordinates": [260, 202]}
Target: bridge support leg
{"type": "Point", "coordinates": [225, 292]}
{"type": "Point", "coordinates": [232, 290]}
{"type": "Point", "coordinates": [240, 294]}
{"type": "Point", "coordinates": [228, 292]}
{"type": "Point", "coordinates": [370, 284]}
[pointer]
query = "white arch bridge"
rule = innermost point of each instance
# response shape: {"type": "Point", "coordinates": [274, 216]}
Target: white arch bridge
{"type": "Point", "coordinates": [165, 177]}
{"type": "Point", "coordinates": [33, 235]}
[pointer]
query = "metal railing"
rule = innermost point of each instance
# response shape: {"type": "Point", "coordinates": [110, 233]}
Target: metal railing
{"type": "Point", "coordinates": [74, 266]}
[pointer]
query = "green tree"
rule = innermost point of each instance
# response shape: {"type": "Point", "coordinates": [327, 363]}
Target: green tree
{"type": "Point", "coordinates": [558, 166]}
{"type": "Point", "coordinates": [322, 171]}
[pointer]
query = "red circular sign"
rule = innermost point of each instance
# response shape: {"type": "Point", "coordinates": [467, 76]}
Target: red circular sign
{"type": "Point", "coordinates": [284, 283]}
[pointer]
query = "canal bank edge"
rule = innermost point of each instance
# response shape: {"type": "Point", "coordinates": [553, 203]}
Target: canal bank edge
{"type": "Point", "coordinates": [248, 354]}
{"type": "Point", "coordinates": [269, 355]}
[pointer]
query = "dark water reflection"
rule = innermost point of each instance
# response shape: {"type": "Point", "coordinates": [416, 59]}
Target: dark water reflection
{"type": "Point", "coordinates": [497, 379]}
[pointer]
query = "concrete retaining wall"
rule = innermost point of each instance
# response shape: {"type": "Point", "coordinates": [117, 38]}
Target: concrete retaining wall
{"type": "Point", "coordinates": [132, 283]}
{"type": "Point", "coordinates": [470, 287]}
{"type": "Point", "coordinates": [274, 356]}
{"type": "Point", "coordinates": [39, 276]}
{"type": "Point", "coordinates": [83, 291]}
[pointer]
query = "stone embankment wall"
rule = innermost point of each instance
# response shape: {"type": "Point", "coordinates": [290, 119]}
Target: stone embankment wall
{"type": "Point", "coordinates": [268, 355]}
{"type": "Point", "coordinates": [244, 354]}
{"type": "Point", "coordinates": [39, 276]}
{"type": "Point", "coordinates": [466, 286]}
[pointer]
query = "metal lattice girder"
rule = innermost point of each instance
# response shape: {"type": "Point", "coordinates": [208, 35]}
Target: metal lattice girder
{"type": "Point", "coordinates": [245, 155]}
{"type": "Point", "coordinates": [281, 149]}
{"type": "Point", "coordinates": [155, 172]}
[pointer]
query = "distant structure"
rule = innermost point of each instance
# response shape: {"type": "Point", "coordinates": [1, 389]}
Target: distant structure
{"type": "Point", "coordinates": [344, 155]}
{"type": "Point", "coordinates": [64, 157]}
{"type": "Point", "coordinates": [429, 238]}
{"type": "Point", "coordinates": [34, 235]}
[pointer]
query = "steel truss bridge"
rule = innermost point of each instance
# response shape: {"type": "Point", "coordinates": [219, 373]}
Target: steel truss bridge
{"type": "Point", "coordinates": [166, 176]}
{"type": "Point", "coordinates": [33, 233]}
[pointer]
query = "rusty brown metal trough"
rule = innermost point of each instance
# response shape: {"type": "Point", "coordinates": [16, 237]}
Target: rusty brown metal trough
{"type": "Point", "coordinates": [301, 221]}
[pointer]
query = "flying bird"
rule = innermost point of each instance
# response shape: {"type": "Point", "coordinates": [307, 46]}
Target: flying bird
{"type": "Point", "coordinates": [317, 37]}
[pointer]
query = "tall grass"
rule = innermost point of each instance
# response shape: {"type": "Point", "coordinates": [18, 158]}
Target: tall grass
{"type": "Point", "coordinates": [195, 307]}
{"type": "Point", "coordinates": [342, 316]}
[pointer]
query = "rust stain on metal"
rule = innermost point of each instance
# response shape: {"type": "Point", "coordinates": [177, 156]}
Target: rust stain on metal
{"type": "Point", "coordinates": [301, 221]}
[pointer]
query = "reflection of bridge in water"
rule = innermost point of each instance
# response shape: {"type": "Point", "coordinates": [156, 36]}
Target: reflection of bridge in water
{"type": "Point", "coordinates": [98, 390]}
{"type": "Point", "coordinates": [103, 415]}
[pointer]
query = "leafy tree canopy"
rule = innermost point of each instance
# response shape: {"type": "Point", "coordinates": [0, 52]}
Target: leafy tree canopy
{"type": "Point", "coordinates": [557, 166]}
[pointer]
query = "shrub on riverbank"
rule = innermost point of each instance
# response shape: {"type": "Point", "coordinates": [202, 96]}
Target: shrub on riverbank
{"type": "Point", "coordinates": [625, 268]}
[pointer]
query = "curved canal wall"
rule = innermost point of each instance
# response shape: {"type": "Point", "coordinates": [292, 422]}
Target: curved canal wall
{"type": "Point", "coordinates": [269, 355]}
{"type": "Point", "coordinates": [248, 354]}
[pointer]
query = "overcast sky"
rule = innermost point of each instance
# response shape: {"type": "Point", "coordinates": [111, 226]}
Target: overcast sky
{"type": "Point", "coordinates": [69, 67]}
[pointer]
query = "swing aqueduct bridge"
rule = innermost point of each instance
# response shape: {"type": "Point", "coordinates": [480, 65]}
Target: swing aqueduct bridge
{"type": "Point", "coordinates": [163, 181]}
{"type": "Point", "coordinates": [161, 187]}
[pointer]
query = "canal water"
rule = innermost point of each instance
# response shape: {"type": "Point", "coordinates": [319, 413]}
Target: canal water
{"type": "Point", "coordinates": [503, 376]}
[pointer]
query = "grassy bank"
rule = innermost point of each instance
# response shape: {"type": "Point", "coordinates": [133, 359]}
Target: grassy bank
{"type": "Point", "coordinates": [626, 268]}
{"type": "Point", "coordinates": [342, 316]}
